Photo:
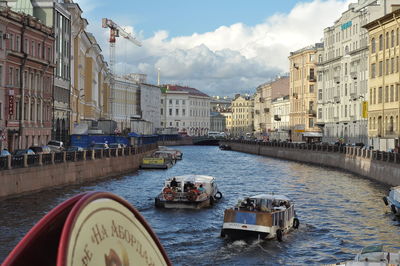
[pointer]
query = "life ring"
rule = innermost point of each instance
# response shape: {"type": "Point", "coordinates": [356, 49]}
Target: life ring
{"type": "Point", "coordinates": [296, 223]}
{"type": "Point", "coordinates": [385, 201]}
{"type": "Point", "coordinates": [168, 194]}
{"type": "Point", "coordinates": [191, 195]}
{"type": "Point", "coordinates": [279, 235]}
{"type": "Point", "coordinates": [393, 208]}
{"type": "Point", "coordinates": [218, 195]}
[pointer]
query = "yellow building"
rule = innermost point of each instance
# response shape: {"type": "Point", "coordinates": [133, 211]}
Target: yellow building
{"type": "Point", "coordinates": [228, 122]}
{"type": "Point", "coordinates": [384, 78]}
{"type": "Point", "coordinates": [242, 116]}
{"type": "Point", "coordinates": [303, 95]}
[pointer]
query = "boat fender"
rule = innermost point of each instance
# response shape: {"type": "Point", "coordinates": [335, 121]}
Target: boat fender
{"type": "Point", "coordinates": [385, 201]}
{"type": "Point", "coordinates": [393, 208]}
{"type": "Point", "coordinates": [296, 223]}
{"type": "Point", "coordinates": [218, 195]}
{"type": "Point", "coordinates": [279, 235]}
{"type": "Point", "coordinates": [168, 194]}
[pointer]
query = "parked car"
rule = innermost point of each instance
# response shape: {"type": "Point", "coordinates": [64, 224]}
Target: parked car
{"type": "Point", "coordinates": [40, 149]}
{"type": "Point", "coordinates": [56, 145]}
{"type": "Point", "coordinates": [22, 152]}
{"type": "Point", "coordinates": [4, 153]}
{"type": "Point", "coordinates": [99, 146]}
{"type": "Point", "coordinates": [74, 148]}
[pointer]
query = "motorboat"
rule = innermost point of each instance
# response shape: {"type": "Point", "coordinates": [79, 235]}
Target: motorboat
{"type": "Point", "coordinates": [373, 256]}
{"type": "Point", "coordinates": [188, 192]}
{"type": "Point", "coordinates": [224, 147]}
{"type": "Point", "coordinates": [264, 216]}
{"type": "Point", "coordinates": [178, 153]}
{"type": "Point", "coordinates": [158, 160]}
{"type": "Point", "coordinates": [393, 200]}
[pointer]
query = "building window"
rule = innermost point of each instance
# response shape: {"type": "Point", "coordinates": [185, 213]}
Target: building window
{"type": "Point", "coordinates": [311, 122]}
{"type": "Point", "coordinates": [380, 68]}
{"type": "Point", "coordinates": [170, 111]}
{"type": "Point", "coordinates": [380, 42]}
{"type": "Point", "coordinates": [176, 112]}
{"type": "Point", "coordinates": [183, 112]}
{"type": "Point", "coordinates": [311, 88]}
{"type": "Point", "coordinates": [397, 92]}
{"type": "Point", "coordinates": [373, 45]}
{"type": "Point", "coordinates": [392, 38]}
{"type": "Point", "coordinates": [391, 93]}
{"type": "Point", "coordinates": [10, 76]}
{"type": "Point", "coordinates": [380, 95]}
{"type": "Point", "coordinates": [387, 67]}
{"type": "Point", "coordinates": [18, 43]}
{"type": "Point", "coordinates": [374, 96]}
{"type": "Point", "coordinates": [183, 102]}
{"type": "Point", "coordinates": [387, 40]}
{"type": "Point", "coordinates": [162, 101]}
{"type": "Point", "coordinates": [320, 94]}
{"type": "Point", "coordinates": [170, 124]}
{"type": "Point", "coordinates": [177, 102]}
{"type": "Point", "coordinates": [386, 94]}
{"type": "Point", "coordinates": [161, 111]}
{"type": "Point", "coordinates": [170, 102]}
{"type": "Point", "coordinates": [373, 70]}
{"type": "Point", "coordinates": [177, 124]}
{"type": "Point", "coordinates": [12, 42]}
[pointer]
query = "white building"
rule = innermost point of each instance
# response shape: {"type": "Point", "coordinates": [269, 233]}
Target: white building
{"type": "Point", "coordinates": [126, 103]}
{"type": "Point", "coordinates": [186, 109]}
{"type": "Point", "coordinates": [343, 72]}
{"type": "Point", "coordinates": [280, 113]}
{"type": "Point", "coordinates": [150, 97]}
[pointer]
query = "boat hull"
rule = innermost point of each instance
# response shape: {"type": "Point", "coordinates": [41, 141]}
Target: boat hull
{"type": "Point", "coordinates": [394, 206]}
{"type": "Point", "coordinates": [182, 204]}
{"type": "Point", "coordinates": [156, 166]}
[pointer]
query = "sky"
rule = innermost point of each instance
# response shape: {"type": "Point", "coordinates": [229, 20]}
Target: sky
{"type": "Point", "coordinates": [220, 47]}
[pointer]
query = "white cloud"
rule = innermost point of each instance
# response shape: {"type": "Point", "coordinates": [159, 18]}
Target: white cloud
{"type": "Point", "coordinates": [232, 58]}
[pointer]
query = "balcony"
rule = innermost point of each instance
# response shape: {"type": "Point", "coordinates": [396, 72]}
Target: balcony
{"type": "Point", "coordinates": [311, 78]}
{"type": "Point", "coordinates": [336, 99]}
{"type": "Point", "coordinates": [277, 118]}
{"type": "Point", "coordinates": [336, 79]}
{"type": "Point", "coordinates": [312, 113]}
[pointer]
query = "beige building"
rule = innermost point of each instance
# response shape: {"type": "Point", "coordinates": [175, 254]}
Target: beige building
{"type": "Point", "coordinates": [384, 80]}
{"type": "Point", "coordinates": [262, 104]}
{"type": "Point", "coordinates": [303, 95]}
{"type": "Point", "coordinates": [242, 116]}
{"type": "Point", "coordinates": [280, 111]}
{"type": "Point", "coordinates": [228, 122]}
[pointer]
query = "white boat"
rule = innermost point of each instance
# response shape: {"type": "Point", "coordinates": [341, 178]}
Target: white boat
{"type": "Point", "coordinates": [264, 216]}
{"type": "Point", "coordinates": [178, 153]}
{"type": "Point", "coordinates": [393, 200]}
{"type": "Point", "coordinates": [185, 192]}
{"type": "Point", "coordinates": [373, 256]}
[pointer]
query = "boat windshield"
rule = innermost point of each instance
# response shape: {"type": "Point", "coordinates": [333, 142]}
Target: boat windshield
{"type": "Point", "coordinates": [262, 204]}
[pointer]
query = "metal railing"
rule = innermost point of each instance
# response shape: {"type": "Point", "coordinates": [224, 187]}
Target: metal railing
{"type": "Point", "coordinates": [390, 157]}
{"type": "Point", "coordinates": [11, 162]}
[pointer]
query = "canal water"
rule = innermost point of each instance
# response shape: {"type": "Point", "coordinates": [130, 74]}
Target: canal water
{"type": "Point", "coordinates": [339, 212]}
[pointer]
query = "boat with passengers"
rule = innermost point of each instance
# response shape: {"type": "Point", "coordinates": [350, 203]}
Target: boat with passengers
{"type": "Point", "coordinates": [263, 216]}
{"type": "Point", "coordinates": [188, 192]}
{"type": "Point", "coordinates": [375, 255]}
{"type": "Point", "coordinates": [393, 200]}
{"type": "Point", "coordinates": [158, 160]}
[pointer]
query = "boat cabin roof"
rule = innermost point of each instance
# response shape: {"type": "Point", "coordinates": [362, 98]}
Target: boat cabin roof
{"type": "Point", "coordinates": [194, 178]}
{"type": "Point", "coordinates": [270, 197]}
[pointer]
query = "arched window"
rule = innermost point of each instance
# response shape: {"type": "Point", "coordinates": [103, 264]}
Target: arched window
{"type": "Point", "coordinates": [380, 42]}
{"type": "Point", "coordinates": [373, 45]}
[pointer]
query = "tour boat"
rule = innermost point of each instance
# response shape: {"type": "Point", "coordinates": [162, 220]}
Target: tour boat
{"type": "Point", "coordinates": [178, 153]}
{"type": "Point", "coordinates": [393, 200]}
{"type": "Point", "coordinates": [188, 192]}
{"type": "Point", "coordinates": [158, 160]}
{"type": "Point", "coordinates": [264, 216]}
{"type": "Point", "coordinates": [371, 256]}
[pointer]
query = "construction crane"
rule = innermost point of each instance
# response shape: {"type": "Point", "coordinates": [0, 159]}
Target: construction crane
{"type": "Point", "coordinates": [115, 31]}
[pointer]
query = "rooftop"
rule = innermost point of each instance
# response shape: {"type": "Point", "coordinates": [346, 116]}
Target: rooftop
{"type": "Point", "coordinates": [191, 91]}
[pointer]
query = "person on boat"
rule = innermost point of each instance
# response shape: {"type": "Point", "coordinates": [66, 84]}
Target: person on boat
{"type": "Point", "coordinates": [201, 189]}
{"type": "Point", "coordinates": [174, 183]}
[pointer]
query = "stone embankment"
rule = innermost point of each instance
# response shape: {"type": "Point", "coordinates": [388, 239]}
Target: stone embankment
{"type": "Point", "coordinates": [37, 172]}
{"type": "Point", "coordinates": [380, 166]}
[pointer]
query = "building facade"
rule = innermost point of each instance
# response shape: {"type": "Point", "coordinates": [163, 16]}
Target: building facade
{"type": "Point", "coordinates": [343, 73]}
{"type": "Point", "coordinates": [186, 109]}
{"type": "Point", "coordinates": [303, 95]}
{"type": "Point", "coordinates": [279, 87]}
{"type": "Point", "coordinates": [242, 116]}
{"type": "Point", "coordinates": [280, 111]}
{"type": "Point", "coordinates": [217, 122]}
{"type": "Point", "coordinates": [384, 80]}
{"type": "Point", "coordinates": [228, 122]}
{"type": "Point", "coordinates": [150, 97]}
{"type": "Point", "coordinates": [27, 72]}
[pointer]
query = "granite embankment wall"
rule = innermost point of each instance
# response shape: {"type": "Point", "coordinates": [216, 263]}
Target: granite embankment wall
{"type": "Point", "coordinates": [183, 141]}
{"type": "Point", "coordinates": [380, 166]}
{"type": "Point", "coordinates": [70, 168]}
